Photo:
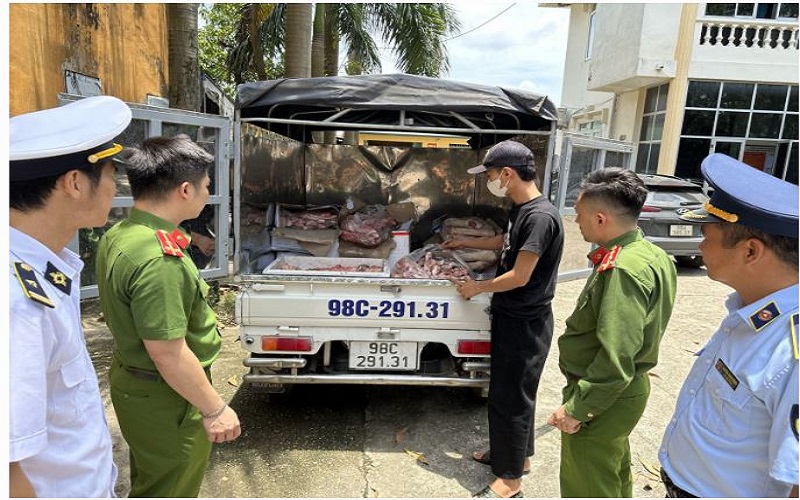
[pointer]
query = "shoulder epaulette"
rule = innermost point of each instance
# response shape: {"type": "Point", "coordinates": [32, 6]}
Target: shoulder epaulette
{"type": "Point", "coordinates": [30, 285]}
{"type": "Point", "coordinates": [794, 326]}
{"type": "Point", "coordinates": [168, 247]}
{"type": "Point", "coordinates": [764, 316]}
{"type": "Point", "coordinates": [608, 260]}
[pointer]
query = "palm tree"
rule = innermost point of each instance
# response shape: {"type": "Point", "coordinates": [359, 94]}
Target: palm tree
{"type": "Point", "coordinates": [184, 68]}
{"type": "Point", "coordinates": [416, 32]}
{"type": "Point", "coordinates": [298, 40]}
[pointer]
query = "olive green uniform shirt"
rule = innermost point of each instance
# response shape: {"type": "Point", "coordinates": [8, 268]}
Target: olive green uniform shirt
{"type": "Point", "coordinates": [148, 295]}
{"type": "Point", "coordinates": [614, 332]}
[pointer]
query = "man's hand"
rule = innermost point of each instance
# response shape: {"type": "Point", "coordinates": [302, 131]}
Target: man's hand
{"type": "Point", "coordinates": [467, 288]}
{"type": "Point", "coordinates": [223, 428]}
{"type": "Point", "coordinates": [453, 244]}
{"type": "Point", "coordinates": [561, 420]}
{"type": "Point", "coordinates": [204, 243]}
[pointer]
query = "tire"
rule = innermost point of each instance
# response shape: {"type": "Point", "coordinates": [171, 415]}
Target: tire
{"type": "Point", "coordinates": [692, 261]}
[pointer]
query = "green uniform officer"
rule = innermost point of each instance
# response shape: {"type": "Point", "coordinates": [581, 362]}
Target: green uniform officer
{"type": "Point", "coordinates": [165, 334]}
{"type": "Point", "coordinates": [611, 339]}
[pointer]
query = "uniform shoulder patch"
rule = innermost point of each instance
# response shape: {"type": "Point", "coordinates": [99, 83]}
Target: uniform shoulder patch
{"type": "Point", "coordinates": [764, 316]}
{"type": "Point", "coordinates": [30, 285]}
{"type": "Point", "coordinates": [608, 260]}
{"type": "Point", "coordinates": [168, 247]}
{"type": "Point", "coordinates": [794, 420]}
{"type": "Point", "coordinates": [794, 327]}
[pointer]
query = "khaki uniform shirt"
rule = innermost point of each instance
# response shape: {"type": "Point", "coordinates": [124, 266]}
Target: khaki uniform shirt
{"type": "Point", "coordinates": [614, 332]}
{"type": "Point", "coordinates": [147, 294]}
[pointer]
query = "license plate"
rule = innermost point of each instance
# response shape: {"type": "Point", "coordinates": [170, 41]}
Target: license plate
{"type": "Point", "coordinates": [681, 230]}
{"type": "Point", "coordinates": [383, 355]}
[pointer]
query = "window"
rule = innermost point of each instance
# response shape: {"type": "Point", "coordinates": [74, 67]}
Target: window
{"type": "Point", "coordinates": [655, 105]}
{"type": "Point", "coordinates": [782, 11]}
{"type": "Point", "coordinates": [733, 114]}
{"type": "Point", "coordinates": [590, 40]}
{"type": "Point", "coordinates": [592, 129]}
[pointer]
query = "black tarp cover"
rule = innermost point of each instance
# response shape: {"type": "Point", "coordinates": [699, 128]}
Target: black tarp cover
{"type": "Point", "coordinates": [375, 100]}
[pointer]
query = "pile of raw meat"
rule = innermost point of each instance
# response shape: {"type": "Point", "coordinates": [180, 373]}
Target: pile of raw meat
{"type": "Point", "coordinates": [360, 268]}
{"type": "Point", "coordinates": [431, 262]}
{"type": "Point", "coordinates": [471, 227]}
{"type": "Point", "coordinates": [369, 227]}
{"type": "Point", "coordinates": [311, 219]}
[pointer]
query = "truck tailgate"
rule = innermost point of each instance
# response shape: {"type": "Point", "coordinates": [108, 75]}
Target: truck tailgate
{"type": "Point", "coordinates": [359, 303]}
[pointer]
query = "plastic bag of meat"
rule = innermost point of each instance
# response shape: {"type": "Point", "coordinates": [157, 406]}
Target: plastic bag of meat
{"type": "Point", "coordinates": [369, 227]}
{"type": "Point", "coordinates": [477, 259]}
{"type": "Point", "coordinates": [431, 262]}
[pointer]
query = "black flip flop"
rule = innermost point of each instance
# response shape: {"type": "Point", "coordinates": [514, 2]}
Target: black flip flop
{"type": "Point", "coordinates": [486, 459]}
{"type": "Point", "coordinates": [488, 492]}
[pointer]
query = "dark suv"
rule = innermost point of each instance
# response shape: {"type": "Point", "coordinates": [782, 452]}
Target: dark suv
{"type": "Point", "coordinates": [667, 199]}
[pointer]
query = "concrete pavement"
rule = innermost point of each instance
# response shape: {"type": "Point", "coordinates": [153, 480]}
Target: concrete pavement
{"type": "Point", "coordinates": [340, 441]}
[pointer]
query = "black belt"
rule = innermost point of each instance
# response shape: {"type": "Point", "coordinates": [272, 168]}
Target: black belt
{"type": "Point", "coordinates": [154, 376]}
{"type": "Point", "coordinates": [672, 490]}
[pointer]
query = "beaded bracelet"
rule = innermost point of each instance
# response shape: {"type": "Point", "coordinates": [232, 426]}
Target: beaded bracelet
{"type": "Point", "coordinates": [216, 413]}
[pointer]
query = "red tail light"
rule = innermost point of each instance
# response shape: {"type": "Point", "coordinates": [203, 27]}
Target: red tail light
{"type": "Point", "coordinates": [650, 208]}
{"type": "Point", "coordinates": [277, 343]}
{"type": "Point", "coordinates": [474, 347]}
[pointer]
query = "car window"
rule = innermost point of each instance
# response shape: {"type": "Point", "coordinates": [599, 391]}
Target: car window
{"type": "Point", "coordinates": [676, 197]}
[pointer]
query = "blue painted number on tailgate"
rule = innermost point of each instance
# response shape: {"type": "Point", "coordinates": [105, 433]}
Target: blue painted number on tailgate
{"type": "Point", "coordinates": [362, 308]}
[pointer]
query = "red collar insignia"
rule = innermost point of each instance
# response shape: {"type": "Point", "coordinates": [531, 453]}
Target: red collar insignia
{"type": "Point", "coordinates": [179, 238]}
{"type": "Point", "coordinates": [608, 261]}
{"type": "Point", "coordinates": [168, 247]}
{"type": "Point", "coordinates": [597, 256]}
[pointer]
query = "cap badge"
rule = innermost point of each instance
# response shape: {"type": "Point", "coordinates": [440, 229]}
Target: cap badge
{"type": "Point", "coordinates": [764, 316]}
{"type": "Point", "coordinates": [58, 279]}
{"type": "Point", "coordinates": [722, 214]}
{"type": "Point", "coordinates": [30, 285]}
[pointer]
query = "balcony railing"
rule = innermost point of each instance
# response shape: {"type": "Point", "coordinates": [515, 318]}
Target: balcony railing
{"type": "Point", "coordinates": [756, 34]}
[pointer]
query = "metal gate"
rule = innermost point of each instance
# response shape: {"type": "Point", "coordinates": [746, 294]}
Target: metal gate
{"type": "Point", "coordinates": [213, 133]}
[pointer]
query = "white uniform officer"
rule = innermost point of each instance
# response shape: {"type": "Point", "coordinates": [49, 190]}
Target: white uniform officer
{"type": "Point", "coordinates": [61, 180]}
{"type": "Point", "coordinates": [734, 431]}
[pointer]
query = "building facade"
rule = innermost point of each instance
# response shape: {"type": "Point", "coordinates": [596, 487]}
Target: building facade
{"type": "Point", "coordinates": [680, 81]}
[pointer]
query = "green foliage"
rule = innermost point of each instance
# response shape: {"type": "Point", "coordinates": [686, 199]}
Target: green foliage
{"type": "Point", "coordinates": [216, 38]}
{"type": "Point", "coordinates": [241, 42]}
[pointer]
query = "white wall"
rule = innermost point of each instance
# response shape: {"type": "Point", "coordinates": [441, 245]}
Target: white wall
{"type": "Point", "coordinates": [626, 116]}
{"type": "Point", "coordinates": [574, 93]}
{"type": "Point", "coordinates": [634, 45]}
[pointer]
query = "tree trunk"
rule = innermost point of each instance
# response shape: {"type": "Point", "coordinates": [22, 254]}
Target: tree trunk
{"type": "Point", "coordinates": [332, 40]}
{"type": "Point", "coordinates": [184, 66]}
{"type": "Point", "coordinates": [298, 40]}
{"type": "Point", "coordinates": [318, 42]}
{"type": "Point", "coordinates": [255, 43]}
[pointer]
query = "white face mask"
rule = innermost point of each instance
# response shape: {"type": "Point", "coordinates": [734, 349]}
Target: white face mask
{"type": "Point", "coordinates": [496, 188]}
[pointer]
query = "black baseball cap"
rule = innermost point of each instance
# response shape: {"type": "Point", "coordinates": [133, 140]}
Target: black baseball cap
{"type": "Point", "coordinates": [505, 154]}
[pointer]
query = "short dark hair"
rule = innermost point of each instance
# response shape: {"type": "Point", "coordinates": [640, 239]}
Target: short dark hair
{"type": "Point", "coordinates": [784, 247]}
{"type": "Point", "coordinates": [33, 194]}
{"type": "Point", "coordinates": [618, 187]}
{"type": "Point", "coordinates": [161, 164]}
{"type": "Point", "coordinates": [526, 173]}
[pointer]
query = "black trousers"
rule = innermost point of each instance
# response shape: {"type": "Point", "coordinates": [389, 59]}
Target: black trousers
{"type": "Point", "coordinates": [519, 350]}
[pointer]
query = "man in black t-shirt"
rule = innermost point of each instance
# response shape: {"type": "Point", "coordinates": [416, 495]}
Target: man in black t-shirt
{"type": "Point", "coordinates": [522, 315]}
